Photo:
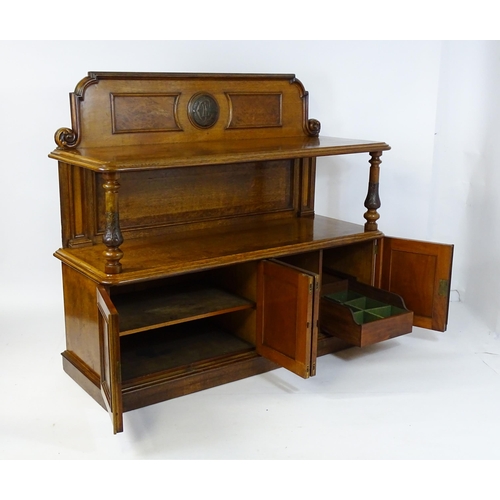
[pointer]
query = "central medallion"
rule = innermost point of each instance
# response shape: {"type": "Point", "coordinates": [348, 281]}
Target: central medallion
{"type": "Point", "coordinates": [203, 110]}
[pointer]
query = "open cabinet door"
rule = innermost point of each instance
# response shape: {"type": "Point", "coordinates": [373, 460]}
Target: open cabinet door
{"type": "Point", "coordinates": [420, 272]}
{"type": "Point", "coordinates": [109, 338]}
{"type": "Point", "coordinates": [287, 303]}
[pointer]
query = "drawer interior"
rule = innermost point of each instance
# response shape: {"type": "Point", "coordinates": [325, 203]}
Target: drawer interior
{"type": "Point", "coordinates": [361, 314]}
{"type": "Point", "coordinates": [364, 309]}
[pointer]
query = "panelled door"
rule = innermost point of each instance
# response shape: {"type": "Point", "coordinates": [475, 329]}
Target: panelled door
{"type": "Point", "coordinates": [420, 272]}
{"type": "Point", "coordinates": [109, 338]}
{"type": "Point", "coordinates": [287, 315]}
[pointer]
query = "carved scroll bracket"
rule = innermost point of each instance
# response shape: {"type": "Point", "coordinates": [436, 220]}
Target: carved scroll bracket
{"type": "Point", "coordinates": [313, 127]}
{"type": "Point", "coordinates": [112, 236]}
{"type": "Point", "coordinates": [372, 202]}
{"type": "Point", "coordinates": [66, 138]}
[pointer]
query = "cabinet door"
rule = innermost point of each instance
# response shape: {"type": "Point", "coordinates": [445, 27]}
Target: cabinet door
{"type": "Point", "coordinates": [287, 305]}
{"type": "Point", "coordinates": [420, 272]}
{"type": "Point", "coordinates": [109, 338]}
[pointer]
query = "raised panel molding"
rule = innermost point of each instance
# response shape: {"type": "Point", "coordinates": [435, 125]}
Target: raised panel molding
{"type": "Point", "coordinates": [132, 113]}
{"type": "Point", "coordinates": [255, 110]}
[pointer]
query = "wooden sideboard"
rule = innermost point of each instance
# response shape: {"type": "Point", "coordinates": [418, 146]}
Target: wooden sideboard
{"type": "Point", "coordinates": [191, 254]}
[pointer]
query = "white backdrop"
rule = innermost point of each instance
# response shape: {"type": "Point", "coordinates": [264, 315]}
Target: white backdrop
{"type": "Point", "coordinates": [436, 103]}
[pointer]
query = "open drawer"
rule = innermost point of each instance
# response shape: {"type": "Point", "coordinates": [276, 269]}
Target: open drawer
{"type": "Point", "coordinates": [362, 315]}
{"type": "Point", "coordinates": [407, 275]}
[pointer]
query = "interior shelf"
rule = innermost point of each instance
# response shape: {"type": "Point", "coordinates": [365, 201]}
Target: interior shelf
{"type": "Point", "coordinates": [145, 310]}
{"type": "Point", "coordinates": [180, 347]}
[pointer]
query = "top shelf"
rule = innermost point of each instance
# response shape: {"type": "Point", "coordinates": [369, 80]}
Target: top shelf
{"type": "Point", "coordinates": [161, 156]}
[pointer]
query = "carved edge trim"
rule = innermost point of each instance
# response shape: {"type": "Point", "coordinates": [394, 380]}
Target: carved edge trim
{"type": "Point", "coordinates": [84, 84]}
{"type": "Point", "coordinates": [119, 75]}
{"type": "Point", "coordinates": [70, 137]}
{"type": "Point", "coordinates": [311, 126]}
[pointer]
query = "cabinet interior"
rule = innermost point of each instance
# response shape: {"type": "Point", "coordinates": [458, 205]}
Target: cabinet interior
{"type": "Point", "coordinates": [179, 323]}
{"type": "Point", "coordinates": [183, 322]}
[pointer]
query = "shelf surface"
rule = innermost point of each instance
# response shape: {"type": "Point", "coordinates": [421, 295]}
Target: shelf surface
{"type": "Point", "coordinates": [179, 348]}
{"type": "Point", "coordinates": [161, 256]}
{"type": "Point", "coordinates": [145, 310]}
{"type": "Point", "coordinates": [159, 156]}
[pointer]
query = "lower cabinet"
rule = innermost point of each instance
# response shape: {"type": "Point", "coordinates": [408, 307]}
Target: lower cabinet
{"type": "Point", "coordinates": [191, 252]}
{"type": "Point", "coordinates": [170, 337]}
{"type": "Point", "coordinates": [185, 331]}
{"type": "Point", "coordinates": [171, 330]}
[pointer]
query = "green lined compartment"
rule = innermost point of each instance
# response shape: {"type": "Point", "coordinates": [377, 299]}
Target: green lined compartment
{"type": "Point", "coordinates": [364, 309]}
{"type": "Point", "coordinates": [344, 296]}
{"type": "Point", "coordinates": [362, 317]}
{"type": "Point", "coordinates": [364, 303]}
{"type": "Point", "coordinates": [386, 311]}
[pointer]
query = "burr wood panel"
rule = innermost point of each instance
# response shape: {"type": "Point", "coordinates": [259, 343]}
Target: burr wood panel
{"type": "Point", "coordinates": [255, 110]}
{"type": "Point", "coordinates": [144, 113]}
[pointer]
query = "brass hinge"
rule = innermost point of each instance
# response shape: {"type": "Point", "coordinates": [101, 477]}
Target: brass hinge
{"type": "Point", "coordinates": [444, 287]}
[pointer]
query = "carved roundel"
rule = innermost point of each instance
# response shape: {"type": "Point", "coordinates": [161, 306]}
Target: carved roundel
{"type": "Point", "coordinates": [203, 110]}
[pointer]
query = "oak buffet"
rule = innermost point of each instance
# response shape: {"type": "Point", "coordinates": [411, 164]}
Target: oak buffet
{"type": "Point", "coordinates": [191, 254]}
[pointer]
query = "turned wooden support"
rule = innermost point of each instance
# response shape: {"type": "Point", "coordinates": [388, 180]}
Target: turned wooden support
{"type": "Point", "coordinates": [112, 236]}
{"type": "Point", "coordinates": [372, 202]}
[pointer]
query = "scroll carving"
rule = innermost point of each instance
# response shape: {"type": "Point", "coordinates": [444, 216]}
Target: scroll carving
{"type": "Point", "coordinates": [70, 137]}
{"type": "Point", "coordinates": [313, 127]}
{"type": "Point", "coordinates": [66, 138]}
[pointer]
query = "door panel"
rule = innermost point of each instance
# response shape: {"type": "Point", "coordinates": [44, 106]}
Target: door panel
{"type": "Point", "coordinates": [420, 272]}
{"type": "Point", "coordinates": [109, 338]}
{"type": "Point", "coordinates": [287, 304]}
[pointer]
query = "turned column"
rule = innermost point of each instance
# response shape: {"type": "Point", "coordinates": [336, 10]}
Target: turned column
{"type": "Point", "coordinates": [372, 202]}
{"type": "Point", "coordinates": [112, 236]}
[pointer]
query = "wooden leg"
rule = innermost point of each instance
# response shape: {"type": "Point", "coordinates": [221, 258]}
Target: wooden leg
{"type": "Point", "coordinates": [112, 236]}
{"type": "Point", "coordinates": [372, 202]}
